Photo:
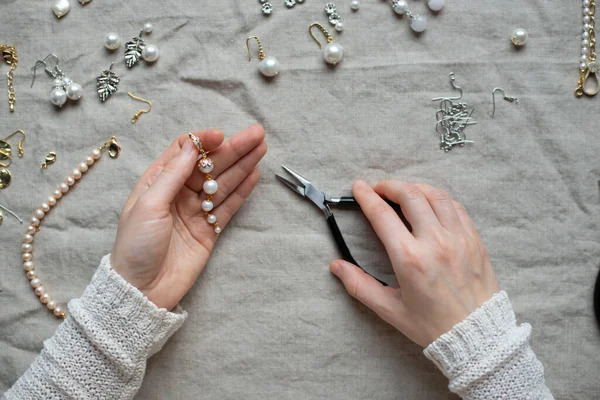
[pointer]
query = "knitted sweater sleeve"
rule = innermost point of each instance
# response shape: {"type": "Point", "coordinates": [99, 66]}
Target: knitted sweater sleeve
{"type": "Point", "coordinates": [100, 350]}
{"type": "Point", "coordinates": [487, 356]}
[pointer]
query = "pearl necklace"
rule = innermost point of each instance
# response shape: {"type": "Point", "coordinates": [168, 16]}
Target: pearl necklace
{"type": "Point", "coordinates": [34, 225]}
{"type": "Point", "coordinates": [210, 187]}
{"type": "Point", "coordinates": [588, 65]}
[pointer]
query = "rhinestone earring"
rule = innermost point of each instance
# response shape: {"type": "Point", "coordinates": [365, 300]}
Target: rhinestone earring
{"type": "Point", "coordinates": [268, 66]}
{"type": "Point", "coordinates": [63, 88]}
{"type": "Point", "coordinates": [333, 53]}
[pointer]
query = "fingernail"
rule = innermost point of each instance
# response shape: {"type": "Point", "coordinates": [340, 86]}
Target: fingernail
{"type": "Point", "coordinates": [335, 267]}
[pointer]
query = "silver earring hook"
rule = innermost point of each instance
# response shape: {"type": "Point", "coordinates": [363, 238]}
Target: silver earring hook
{"type": "Point", "coordinates": [11, 213]}
{"type": "Point", "coordinates": [39, 63]}
{"type": "Point", "coordinates": [510, 99]}
{"type": "Point", "coordinates": [455, 86]}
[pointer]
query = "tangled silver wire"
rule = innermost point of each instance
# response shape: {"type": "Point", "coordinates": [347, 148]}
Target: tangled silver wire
{"type": "Point", "coordinates": [452, 119]}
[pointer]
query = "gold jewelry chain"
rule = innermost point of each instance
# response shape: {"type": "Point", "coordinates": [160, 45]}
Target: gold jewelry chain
{"type": "Point", "coordinates": [9, 54]}
{"type": "Point", "coordinates": [590, 67]}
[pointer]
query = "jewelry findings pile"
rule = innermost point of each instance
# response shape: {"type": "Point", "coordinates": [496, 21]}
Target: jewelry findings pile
{"type": "Point", "coordinates": [453, 119]}
{"type": "Point", "coordinates": [38, 215]}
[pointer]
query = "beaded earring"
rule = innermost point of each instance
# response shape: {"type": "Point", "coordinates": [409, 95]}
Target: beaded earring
{"type": "Point", "coordinates": [268, 66]}
{"type": "Point", "coordinates": [333, 53]}
{"type": "Point", "coordinates": [63, 88]}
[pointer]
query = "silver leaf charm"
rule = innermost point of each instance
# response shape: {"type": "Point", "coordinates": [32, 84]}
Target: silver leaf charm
{"type": "Point", "coordinates": [107, 83]}
{"type": "Point", "coordinates": [133, 50]}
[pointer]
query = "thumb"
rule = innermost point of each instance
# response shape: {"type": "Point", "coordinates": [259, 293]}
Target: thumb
{"type": "Point", "coordinates": [174, 174]}
{"type": "Point", "coordinates": [367, 290]}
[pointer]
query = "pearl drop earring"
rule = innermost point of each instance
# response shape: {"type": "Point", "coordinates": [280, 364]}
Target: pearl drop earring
{"type": "Point", "coordinates": [210, 187]}
{"type": "Point", "coordinates": [63, 88]}
{"type": "Point", "coordinates": [136, 48]}
{"type": "Point", "coordinates": [60, 8]}
{"type": "Point", "coordinates": [333, 53]}
{"type": "Point", "coordinates": [268, 66]}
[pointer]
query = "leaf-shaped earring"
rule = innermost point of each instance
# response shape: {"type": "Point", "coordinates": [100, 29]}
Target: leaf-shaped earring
{"type": "Point", "coordinates": [133, 50]}
{"type": "Point", "coordinates": [137, 48]}
{"type": "Point", "coordinates": [107, 83]}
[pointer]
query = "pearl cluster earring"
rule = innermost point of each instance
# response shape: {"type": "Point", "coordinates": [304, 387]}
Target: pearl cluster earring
{"type": "Point", "coordinates": [333, 53]}
{"type": "Point", "coordinates": [63, 88]}
{"type": "Point", "coordinates": [418, 23]}
{"type": "Point", "coordinates": [136, 48]}
{"type": "Point", "coordinates": [268, 66]}
{"type": "Point", "coordinates": [60, 8]}
{"type": "Point", "coordinates": [210, 187]}
{"type": "Point", "coordinates": [40, 213]}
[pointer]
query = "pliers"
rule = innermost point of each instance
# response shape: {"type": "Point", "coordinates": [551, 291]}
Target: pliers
{"type": "Point", "coordinates": [306, 189]}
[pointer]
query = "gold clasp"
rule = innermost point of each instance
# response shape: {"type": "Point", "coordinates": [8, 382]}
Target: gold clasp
{"type": "Point", "coordinates": [591, 73]}
{"type": "Point", "coordinates": [113, 147]}
{"type": "Point", "coordinates": [50, 159]}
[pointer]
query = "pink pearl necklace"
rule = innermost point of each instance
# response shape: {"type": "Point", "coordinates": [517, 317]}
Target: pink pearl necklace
{"type": "Point", "coordinates": [38, 215]}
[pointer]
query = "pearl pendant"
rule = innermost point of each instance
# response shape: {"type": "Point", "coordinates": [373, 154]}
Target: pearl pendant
{"type": "Point", "coordinates": [269, 67]}
{"type": "Point", "coordinates": [519, 37]}
{"type": "Point", "coordinates": [74, 91]}
{"type": "Point", "coordinates": [207, 205]}
{"type": "Point", "coordinates": [150, 53]}
{"type": "Point", "coordinates": [418, 23]}
{"type": "Point", "coordinates": [210, 187]}
{"type": "Point", "coordinates": [61, 7]}
{"type": "Point", "coordinates": [333, 53]}
{"type": "Point", "coordinates": [112, 41]}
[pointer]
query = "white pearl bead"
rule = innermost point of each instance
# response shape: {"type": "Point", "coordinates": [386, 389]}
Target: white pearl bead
{"type": "Point", "coordinates": [150, 53]}
{"type": "Point", "coordinates": [586, 19]}
{"type": "Point", "coordinates": [35, 282]}
{"type": "Point", "coordinates": [83, 167]}
{"type": "Point", "coordinates": [39, 214]}
{"type": "Point", "coordinates": [96, 154]}
{"type": "Point", "coordinates": [34, 221]}
{"type": "Point", "coordinates": [58, 97]}
{"type": "Point", "coordinates": [206, 165]}
{"type": "Point", "coordinates": [333, 53]}
{"type": "Point", "coordinates": [27, 257]}
{"type": "Point", "coordinates": [74, 91]}
{"type": "Point", "coordinates": [51, 201]}
{"type": "Point", "coordinates": [585, 42]}
{"type": "Point", "coordinates": [339, 26]}
{"type": "Point", "coordinates": [207, 205]}
{"type": "Point", "coordinates": [585, 35]}
{"type": "Point", "coordinates": [269, 67]}
{"type": "Point", "coordinates": [26, 248]}
{"type": "Point", "coordinates": [585, 50]}
{"type": "Point", "coordinates": [418, 23]}
{"type": "Point", "coordinates": [45, 207]}
{"type": "Point", "coordinates": [27, 238]}
{"type": "Point", "coordinates": [587, 27]}
{"type": "Point", "coordinates": [31, 230]}
{"type": "Point", "coordinates": [58, 311]}
{"type": "Point", "coordinates": [582, 65]}
{"type": "Point", "coordinates": [211, 219]}
{"type": "Point", "coordinates": [57, 194]}
{"type": "Point", "coordinates": [148, 27]}
{"type": "Point", "coordinates": [586, 3]}
{"type": "Point", "coordinates": [28, 266]}
{"type": "Point", "coordinates": [435, 5]}
{"type": "Point", "coordinates": [210, 187]}
{"type": "Point", "coordinates": [76, 174]}
{"type": "Point", "coordinates": [89, 161]}
{"type": "Point", "coordinates": [586, 10]}
{"type": "Point", "coordinates": [32, 274]}
{"type": "Point", "coordinates": [70, 181]}
{"type": "Point", "coordinates": [63, 187]}
{"type": "Point", "coordinates": [218, 230]}
{"type": "Point", "coordinates": [112, 41]}
{"type": "Point", "coordinates": [45, 298]}
{"type": "Point", "coordinates": [355, 5]}
{"type": "Point", "coordinates": [51, 305]}
{"type": "Point", "coordinates": [40, 290]}
{"type": "Point", "coordinates": [61, 7]}
{"type": "Point", "coordinates": [400, 7]}
{"type": "Point", "coordinates": [519, 37]}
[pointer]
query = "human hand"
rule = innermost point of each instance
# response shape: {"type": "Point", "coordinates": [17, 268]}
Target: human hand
{"type": "Point", "coordinates": [164, 241]}
{"type": "Point", "coordinates": [443, 268]}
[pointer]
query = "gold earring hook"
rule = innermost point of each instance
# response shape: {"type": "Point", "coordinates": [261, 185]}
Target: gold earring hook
{"type": "Point", "coordinates": [50, 159]}
{"type": "Point", "coordinates": [327, 35]}
{"type": "Point", "coordinates": [140, 112]}
{"type": "Point", "coordinates": [20, 144]}
{"type": "Point", "coordinates": [261, 51]}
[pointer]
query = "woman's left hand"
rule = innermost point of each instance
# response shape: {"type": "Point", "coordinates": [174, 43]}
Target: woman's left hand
{"type": "Point", "coordinates": [164, 241]}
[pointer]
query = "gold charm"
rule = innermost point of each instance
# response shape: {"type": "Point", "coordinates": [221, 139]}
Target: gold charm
{"type": "Point", "coordinates": [5, 177]}
{"type": "Point", "coordinates": [50, 159]}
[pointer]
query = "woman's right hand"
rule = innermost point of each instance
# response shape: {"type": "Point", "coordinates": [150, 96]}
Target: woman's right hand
{"type": "Point", "coordinates": [443, 269]}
